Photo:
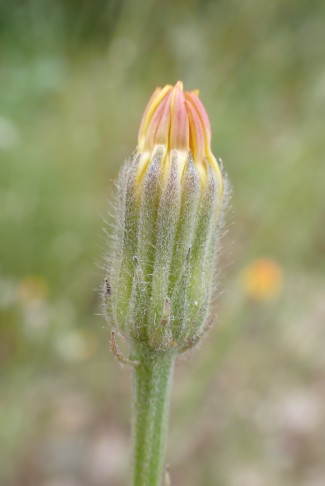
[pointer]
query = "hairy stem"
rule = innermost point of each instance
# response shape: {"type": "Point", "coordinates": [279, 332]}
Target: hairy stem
{"type": "Point", "coordinates": [152, 380]}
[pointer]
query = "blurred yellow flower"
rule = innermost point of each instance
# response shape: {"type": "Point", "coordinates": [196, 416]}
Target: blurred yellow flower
{"type": "Point", "coordinates": [33, 288]}
{"type": "Point", "coordinates": [262, 279]}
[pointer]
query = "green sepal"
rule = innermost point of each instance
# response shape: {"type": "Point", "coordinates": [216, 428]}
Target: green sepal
{"type": "Point", "coordinates": [167, 218]}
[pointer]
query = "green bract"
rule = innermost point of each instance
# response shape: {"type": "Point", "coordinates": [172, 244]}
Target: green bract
{"type": "Point", "coordinates": [161, 271]}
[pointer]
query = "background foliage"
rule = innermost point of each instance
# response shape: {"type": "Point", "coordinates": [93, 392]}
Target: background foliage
{"type": "Point", "coordinates": [75, 75]}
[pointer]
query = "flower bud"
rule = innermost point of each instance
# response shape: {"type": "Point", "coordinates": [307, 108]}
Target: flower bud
{"type": "Point", "coordinates": [170, 195]}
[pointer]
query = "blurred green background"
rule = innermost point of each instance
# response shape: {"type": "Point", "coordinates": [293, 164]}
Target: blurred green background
{"type": "Point", "coordinates": [248, 407]}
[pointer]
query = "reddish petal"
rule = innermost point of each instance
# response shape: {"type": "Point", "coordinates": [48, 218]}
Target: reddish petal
{"type": "Point", "coordinates": [155, 123]}
{"type": "Point", "coordinates": [196, 134]}
{"type": "Point", "coordinates": [179, 130]}
{"type": "Point", "coordinates": [151, 107]}
{"type": "Point", "coordinates": [162, 133]}
{"type": "Point", "coordinates": [198, 105]}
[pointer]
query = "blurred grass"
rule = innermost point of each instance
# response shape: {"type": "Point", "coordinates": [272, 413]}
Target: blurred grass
{"type": "Point", "coordinates": [75, 76]}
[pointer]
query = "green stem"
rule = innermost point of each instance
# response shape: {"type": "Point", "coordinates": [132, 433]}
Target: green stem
{"type": "Point", "coordinates": [152, 380]}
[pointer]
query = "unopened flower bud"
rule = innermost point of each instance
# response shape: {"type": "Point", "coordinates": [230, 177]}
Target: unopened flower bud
{"type": "Point", "coordinates": [170, 196]}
